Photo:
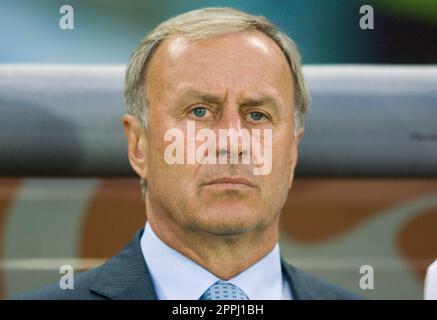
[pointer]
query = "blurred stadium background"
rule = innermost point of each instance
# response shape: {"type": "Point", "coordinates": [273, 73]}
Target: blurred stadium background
{"type": "Point", "coordinates": [330, 225]}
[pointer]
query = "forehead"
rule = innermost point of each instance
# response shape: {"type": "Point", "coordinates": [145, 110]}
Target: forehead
{"type": "Point", "coordinates": [241, 61]}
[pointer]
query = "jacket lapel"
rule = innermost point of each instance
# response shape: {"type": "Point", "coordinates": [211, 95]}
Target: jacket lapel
{"type": "Point", "coordinates": [125, 276]}
{"type": "Point", "coordinates": [299, 287]}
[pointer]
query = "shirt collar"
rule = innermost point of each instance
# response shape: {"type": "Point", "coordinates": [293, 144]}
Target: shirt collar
{"type": "Point", "coordinates": [177, 277]}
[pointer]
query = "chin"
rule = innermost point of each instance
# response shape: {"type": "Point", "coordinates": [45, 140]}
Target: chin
{"type": "Point", "coordinates": [231, 219]}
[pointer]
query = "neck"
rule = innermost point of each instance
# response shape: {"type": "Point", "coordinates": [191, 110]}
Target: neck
{"type": "Point", "coordinates": [225, 256]}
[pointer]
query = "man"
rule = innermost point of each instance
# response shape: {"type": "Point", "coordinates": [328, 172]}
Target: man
{"type": "Point", "coordinates": [212, 230]}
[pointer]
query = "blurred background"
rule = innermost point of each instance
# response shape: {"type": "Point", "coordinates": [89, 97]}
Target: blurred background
{"type": "Point", "coordinates": [330, 226]}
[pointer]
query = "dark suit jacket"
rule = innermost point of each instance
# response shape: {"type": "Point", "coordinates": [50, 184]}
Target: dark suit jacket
{"type": "Point", "coordinates": [126, 276]}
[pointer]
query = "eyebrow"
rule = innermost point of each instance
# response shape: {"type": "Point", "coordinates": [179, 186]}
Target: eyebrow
{"type": "Point", "coordinates": [215, 99]}
{"type": "Point", "coordinates": [263, 100]}
{"type": "Point", "coordinates": [203, 96]}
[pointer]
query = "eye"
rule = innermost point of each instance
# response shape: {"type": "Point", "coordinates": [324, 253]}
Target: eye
{"type": "Point", "coordinates": [199, 112]}
{"type": "Point", "coordinates": [257, 116]}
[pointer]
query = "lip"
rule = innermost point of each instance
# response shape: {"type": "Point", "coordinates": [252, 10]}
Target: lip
{"type": "Point", "coordinates": [231, 183]}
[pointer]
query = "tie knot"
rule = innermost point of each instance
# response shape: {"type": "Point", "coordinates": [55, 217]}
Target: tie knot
{"type": "Point", "coordinates": [224, 291]}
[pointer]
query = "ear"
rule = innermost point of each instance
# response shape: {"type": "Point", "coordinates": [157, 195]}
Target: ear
{"type": "Point", "coordinates": [294, 154]}
{"type": "Point", "coordinates": [137, 144]}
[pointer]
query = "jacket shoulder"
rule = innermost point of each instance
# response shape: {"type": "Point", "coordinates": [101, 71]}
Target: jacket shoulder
{"type": "Point", "coordinates": [80, 291]}
{"type": "Point", "coordinates": [124, 276]}
{"type": "Point", "coordinates": [308, 287]}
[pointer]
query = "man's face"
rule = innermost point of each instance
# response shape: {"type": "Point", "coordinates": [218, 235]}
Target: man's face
{"type": "Point", "coordinates": [239, 80]}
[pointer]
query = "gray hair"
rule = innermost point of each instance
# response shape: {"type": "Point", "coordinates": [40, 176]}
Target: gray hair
{"type": "Point", "coordinates": [203, 24]}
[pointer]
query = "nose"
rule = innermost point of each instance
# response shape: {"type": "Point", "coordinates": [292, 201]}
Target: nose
{"type": "Point", "coordinates": [233, 138]}
{"type": "Point", "coordinates": [231, 120]}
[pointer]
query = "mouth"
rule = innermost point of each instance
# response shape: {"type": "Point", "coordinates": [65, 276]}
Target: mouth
{"type": "Point", "coordinates": [230, 183]}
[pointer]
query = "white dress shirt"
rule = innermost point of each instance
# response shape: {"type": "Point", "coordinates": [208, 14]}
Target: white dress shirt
{"type": "Point", "coordinates": [176, 277]}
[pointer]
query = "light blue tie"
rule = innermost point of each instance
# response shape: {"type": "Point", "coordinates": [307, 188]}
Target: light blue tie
{"type": "Point", "coordinates": [224, 291]}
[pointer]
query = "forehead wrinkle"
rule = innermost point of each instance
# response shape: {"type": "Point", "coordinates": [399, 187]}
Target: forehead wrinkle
{"type": "Point", "coordinates": [178, 47]}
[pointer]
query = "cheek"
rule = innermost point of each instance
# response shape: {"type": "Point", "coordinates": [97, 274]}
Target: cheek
{"type": "Point", "coordinates": [277, 183]}
{"type": "Point", "coordinates": [281, 157]}
{"type": "Point", "coordinates": [163, 173]}
{"type": "Point", "coordinates": [158, 168]}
